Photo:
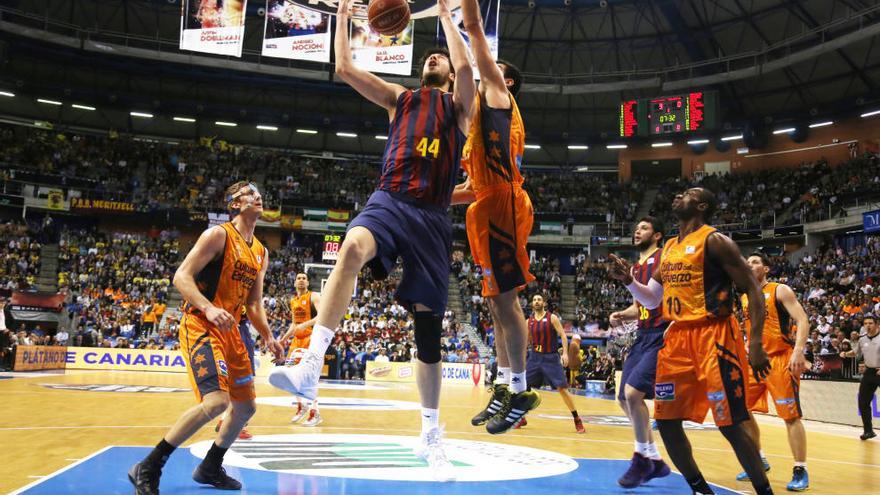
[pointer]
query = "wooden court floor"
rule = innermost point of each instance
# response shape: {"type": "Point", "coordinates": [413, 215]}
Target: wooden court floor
{"type": "Point", "coordinates": [50, 421]}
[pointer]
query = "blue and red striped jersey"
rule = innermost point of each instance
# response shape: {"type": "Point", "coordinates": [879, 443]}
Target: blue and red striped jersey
{"type": "Point", "coordinates": [542, 335]}
{"type": "Point", "coordinates": [649, 318]}
{"type": "Point", "coordinates": [423, 152]}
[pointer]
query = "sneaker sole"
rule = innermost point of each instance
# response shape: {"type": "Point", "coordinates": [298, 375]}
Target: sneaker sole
{"type": "Point", "coordinates": [279, 380]}
{"type": "Point", "coordinates": [313, 424]}
{"type": "Point", "coordinates": [797, 489]}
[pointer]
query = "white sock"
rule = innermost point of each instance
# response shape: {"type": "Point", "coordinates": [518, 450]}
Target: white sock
{"type": "Point", "coordinates": [763, 456]}
{"type": "Point", "coordinates": [640, 448]}
{"type": "Point", "coordinates": [321, 338]}
{"type": "Point", "coordinates": [652, 452]}
{"type": "Point", "coordinates": [517, 382]}
{"type": "Point", "coordinates": [503, 376]}
{"type": "Point", "coordinates": [800, 464]}
{"type": "Point", "coordinates": [430, 419]}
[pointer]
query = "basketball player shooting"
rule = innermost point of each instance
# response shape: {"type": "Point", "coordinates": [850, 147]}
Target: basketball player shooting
{"type": "Point", "coordinates": [406, 216]}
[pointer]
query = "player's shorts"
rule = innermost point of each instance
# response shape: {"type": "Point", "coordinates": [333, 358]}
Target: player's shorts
{"type": "Point", "coordinates": [702, 366]}
{"type": "Point", "coordinates": [544, 367]}
{"type": "Point", "coordinates": [421, 236]}
{"type": "Point", "coordinates": [248, 342]}
{"type": "Point", "coordinates": [498, 226]}
{"type": "Point", "coordinates": [216, 360]}
{"type": "Point", "coordinates": [784, 389]}
{"type": "Point", "coordinates": [640, 367]}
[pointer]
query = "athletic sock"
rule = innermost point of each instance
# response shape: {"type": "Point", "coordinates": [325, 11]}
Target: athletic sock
{"type": "Point", "coordinates": [321, 338]}
{"type": "Point", "coordinates": [800, 464]}
{"type": "Point", "coordinates": [653, 453]}
{"type": "Point", "coordinates": [574, 414]}
{"type": "Point", "coordinates": [159, 454]}
{"type": "Point", "coordinates": [430, 419]}
{"type": "Point", "coordinates": [641, 448]}
{"type": "Point", "coordinates": [699, 485]}
{"type": "Point", "coordinates": [503, 376]}
{"type": "Point", "coordinates": [214, 458]}
{"type": "Point", "coordinates": [517, 382]}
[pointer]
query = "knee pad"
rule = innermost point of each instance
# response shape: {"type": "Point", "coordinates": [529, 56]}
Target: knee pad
{"type": "Point", "coordinates": [428, 330]}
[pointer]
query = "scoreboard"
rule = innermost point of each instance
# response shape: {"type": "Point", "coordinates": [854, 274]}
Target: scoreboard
{"type": "Point", "coordinates": [691, 112]}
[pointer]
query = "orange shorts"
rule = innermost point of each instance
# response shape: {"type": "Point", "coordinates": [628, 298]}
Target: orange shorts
{"type": "Point", "coordinates": [701, 367]}
{"type": "Point", "coordinates": [784, 389]}
{"type": "Point", "coordinates": [498, 226]}
{"type": "Point", "coordinates": [216, 359]}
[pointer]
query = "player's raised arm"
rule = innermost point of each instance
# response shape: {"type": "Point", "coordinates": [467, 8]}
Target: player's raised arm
{"type": "Point", "coordinates": [491, 76]}
{"type": "Point", "coordinates": [465, 88]}
{"type": "Point", "coordinates": [369, 85]}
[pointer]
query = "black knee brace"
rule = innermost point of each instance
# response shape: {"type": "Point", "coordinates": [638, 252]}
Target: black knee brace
{"type": "Point", "coordinates": [428, 330]}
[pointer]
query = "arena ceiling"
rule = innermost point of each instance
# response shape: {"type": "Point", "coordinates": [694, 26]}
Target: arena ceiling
{"type": "Point", "coordinates": [770, 61]}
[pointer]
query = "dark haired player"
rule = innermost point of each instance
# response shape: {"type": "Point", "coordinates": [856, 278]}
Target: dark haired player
{"type": "Point", "coordinates": [499, 220]}
{"type": "Point", "coordinates": [640, 367]}
{"type": "Point", "coordinates": [702, 364]}
{"type": "Point", "coordinates": [406, 216]}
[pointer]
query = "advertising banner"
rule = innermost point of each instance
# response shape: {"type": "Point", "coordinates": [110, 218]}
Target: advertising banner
{"type": "Point", "coordinates": [375, 52]}
{"type": "Point", "coordinates": [100, 205]}
{"type": "Point", "coordinates": [212, 26]}
{"type": "Point", "coordinates": [296, 32]}
{"type": "Point", "coordinates": [456, 373]}
{"type": "Point", "coordinates": [871, 221]}
{"type": "Point", "coordinates": [39, 357]}
{"type": "Point", "coordinates": [103, 358]}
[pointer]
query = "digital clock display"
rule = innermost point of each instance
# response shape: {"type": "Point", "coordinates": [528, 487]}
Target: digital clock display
{"type": "Point", "coordinates": [692, 112]}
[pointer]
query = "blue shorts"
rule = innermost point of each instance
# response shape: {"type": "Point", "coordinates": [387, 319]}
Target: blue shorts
{"type": "Point", "coordinates": [421, 236]}
{"type": "Point", "coordinates": [248, 342]}
{"type": "Point", "coordinates": [545, 368]}
{"type": "Point", "coordinates": [640, 367]}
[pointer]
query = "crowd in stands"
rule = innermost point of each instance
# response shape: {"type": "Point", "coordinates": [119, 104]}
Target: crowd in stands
{"type": "Point", "coordinates": [777, 197]}
{"type": "Point", "coordinates": [19, 256]}
{"type": "Point", "coordinates": [117, 285]}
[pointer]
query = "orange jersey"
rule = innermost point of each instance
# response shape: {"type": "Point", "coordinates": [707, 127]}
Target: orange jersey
{"type": "Point", "coordinates": [778, 336]}
{"type": "Point", "coordinates": [694, 288]}
{"type": "Point", "coordinates": [494, 149]}
{"type": "Point", "coordinates": [227, 281]}
{"type": "Point", "coordinates": [303, 310]}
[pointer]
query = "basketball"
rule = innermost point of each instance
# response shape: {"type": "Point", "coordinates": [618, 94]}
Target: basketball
{"type": "Point", "coordinates": [388, 17]}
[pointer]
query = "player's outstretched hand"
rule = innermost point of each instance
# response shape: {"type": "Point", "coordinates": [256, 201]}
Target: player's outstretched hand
{"type": "Point", "coordinates": [220, 318]}
{"type": "Point", "coordinates": [619, 269]}
{"type": "Point", "coordinates": [344, 8]}
{"type": "Point", "coordinates": [759, 361]}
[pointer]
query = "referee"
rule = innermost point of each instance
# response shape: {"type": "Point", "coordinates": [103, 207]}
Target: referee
{"type": "Point", "coordinates": [869, 347]}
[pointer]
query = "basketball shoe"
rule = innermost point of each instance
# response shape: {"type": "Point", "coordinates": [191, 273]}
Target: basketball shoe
{"type": "Point", "coordinates": [314, 418]}
{"type": "Point", "coordinates": [431, 451]}
{"type": "Point", "coordinates": [521, 424]}
{"type": "Point", "coordinates": [300, 412]}
{"type": "Point", "coordinates": [640, 467]}
{"type": "Point", "coordinates": [145, 478]}
{"type": "Point", "coordinates": [302, 379]}
{"type": "Point", "coordinates": [500, 396]}
{"type": "Point", "coordinates": [579, 425]}
{"type": "Point", "coordinates": [800, 480]}
{"type": "Point", "coordinates": [514, 410]}
{"type": "Point", "coordinates": [216, 478]}
{"type": "Point", "coordinates": [744, 476]}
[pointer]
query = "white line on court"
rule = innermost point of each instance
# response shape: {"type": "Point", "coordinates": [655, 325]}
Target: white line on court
{"type": "Point", "coordinates": [56, 473]}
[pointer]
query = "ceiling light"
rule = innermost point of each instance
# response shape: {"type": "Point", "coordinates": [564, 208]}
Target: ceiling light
{"type": "Point", "coordinates": [382, 138]}
{"type": "Point", "coordinates": [184, 119]}
{"type": "Point", "coordinates": [267, 127]}
{"type": "Point", "coordinates": [533, 146]}
{"type": "Point", "coordinates": [664, 144]}
{"type": "Point", "coordinates": [821, 124]}
{"type": "Point", "coordinates": [871, 114]}
{"type": "Point", "coordinates": [698, 141]}
{"type": "Point", "coordinates": [306, 131]}
{"type": "Point", "coordinates": [616, 147]}
{"type": "Point", "coordinates": [578, 147]}
{"type": "Point", "coordinates": [83, 107]}
{"type": "Point", "coordinates": [225, 124]}
{"type": "Point", "coordinates": [347, 134]}
{"type": "Point", "coordinates": [732, 138]}
{"type": "Point", "coordinates": [48, 102]}
{"type": "Point", "coordinates": [141, 114]}
{"type": "Point", "coordinates": [784, 131]}
{"type": "Point", "coordinates": [7, 93]}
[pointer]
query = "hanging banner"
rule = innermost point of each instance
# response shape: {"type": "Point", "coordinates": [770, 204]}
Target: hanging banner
{"type": "Point", "coordinates": [489, 10]}
{"type": "Point", "coordinates": [374, 52]}
{"type": "Point", "coordinates": [100, 205]}
{"type": "Point", "coordinates": [295, 32]}
{"type": "Point", "coordinates": [212, 26]}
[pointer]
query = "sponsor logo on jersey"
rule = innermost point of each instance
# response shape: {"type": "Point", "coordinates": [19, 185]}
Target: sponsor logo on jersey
{"type": "Point", "coordinates": [221, 364]}
{"type": "Point", "coordinates": [690, 249]}
{"type": "Point", "coordinates": [715, 396]}
{"type": "Point", "coordinates": [664, 391]}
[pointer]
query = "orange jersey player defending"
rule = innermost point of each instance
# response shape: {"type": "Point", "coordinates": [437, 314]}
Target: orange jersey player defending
{"type": "Point", "coordinates": [702, 364]}
{"type": "Point", "coordinates": [304, 309]}
{"type": "Point", "coordinates": [787, 363]}
{"type": "Point", "coordinates": [222, 273]}
{"type": "Point", "coordinates": [499, 220]}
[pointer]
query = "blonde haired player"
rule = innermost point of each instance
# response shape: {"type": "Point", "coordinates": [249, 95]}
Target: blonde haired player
{"type": "Point", "coordinates": [304, 308]}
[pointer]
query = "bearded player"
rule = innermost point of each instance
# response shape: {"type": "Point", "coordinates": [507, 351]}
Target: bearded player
{"type": "Point", "coordinates": [303, 307]}
{"type": "Point", "coordinates": [499, 220]}
{"type": "Point", "coordinates": [640, 367]}
{"type": "Point", "coordinates": [406, 216]}
{"type": "Point", "coordinates": [787, 362]}
{"type": "Point", "coordinates": [223, 272]}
